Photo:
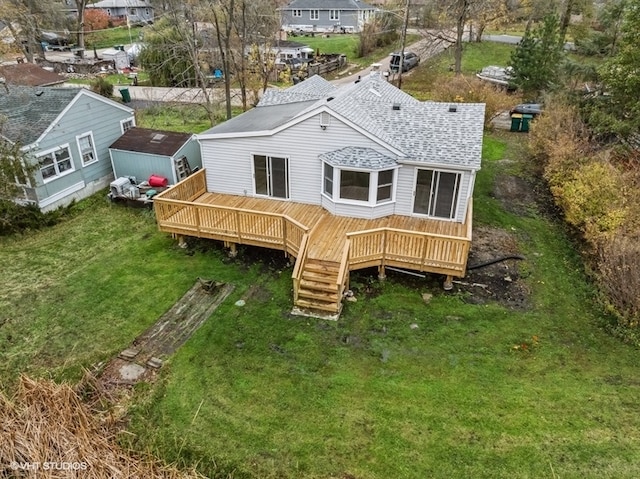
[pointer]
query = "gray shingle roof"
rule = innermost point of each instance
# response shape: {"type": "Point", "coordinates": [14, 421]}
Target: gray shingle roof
{"type": "Point", "coordinates": [358, 157]}
{"type": "Point", "coordinates": [328, 5]}
{"type": "Point", "coordinates": [30, 110]}
{"type": "Point", "coordinates": [425, 132]}
{"type": "Point", "coordinates": [313, 88]}
{"type": "Point", "coordinates": [261, 118]}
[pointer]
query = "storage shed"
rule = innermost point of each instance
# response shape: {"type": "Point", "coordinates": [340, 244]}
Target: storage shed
{"type": "Point", "coordinates": [119, 58]}
{"type": "Point", "coordinates": [143, 152]}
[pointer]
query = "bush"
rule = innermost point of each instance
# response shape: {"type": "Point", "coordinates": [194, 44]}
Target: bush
{"type": "Point", "coordinates": [15, 218]}
{"type": "Point", "coordinates": [102, 87]}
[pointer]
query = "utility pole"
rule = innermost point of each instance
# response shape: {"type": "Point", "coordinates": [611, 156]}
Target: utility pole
{"type": "Point", "coordinates": [403, 42]}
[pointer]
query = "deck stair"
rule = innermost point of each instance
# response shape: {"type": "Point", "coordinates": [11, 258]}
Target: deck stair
{"type": "Point", "coordinates": [319, 290]}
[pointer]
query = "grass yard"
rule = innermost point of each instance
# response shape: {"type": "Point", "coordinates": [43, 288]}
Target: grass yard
{"type": "Point", "coordinates": [479, 391]}
{"type": "Point", "coordinates": [114, 36]}
{"type": "Point", "coordinates": [347, 45]}
{"type": "Point", "coordinates": [476, 390]}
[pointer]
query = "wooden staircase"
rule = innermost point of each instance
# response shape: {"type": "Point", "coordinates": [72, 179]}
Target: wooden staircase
{"type": "Point", "coordinates": [318, 288]}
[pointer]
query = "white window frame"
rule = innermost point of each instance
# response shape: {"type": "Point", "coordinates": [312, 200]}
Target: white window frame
{"type": "Point", "coordinates": [52, 151]}
{"type": "Point", "coordinates": [297, 13]}
{"type": "Point", "coordinates": [131, 119]}
{"type": "Point", "coordinates": [435, 191]}
{"type": "Point", "coordinates": [328, 177]}
{"type": "Point", "coordinates": [372, 196]}
{"type": "Point", "coordinates": [133, 11]}
{"type": "Point", "coordinates": [314, 14]}
{"type": "Point", "coordinates": [269, 177]}
{"type": "Point", "coordinates": [91, 151]}
{"type": "Point", "coordinates": [334, 15]}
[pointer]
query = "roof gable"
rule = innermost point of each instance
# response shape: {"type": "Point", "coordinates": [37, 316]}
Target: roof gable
{"type": "Point", "coordinates": [154, 142]}
{"type": "Point", "coordinates": [33, 111]}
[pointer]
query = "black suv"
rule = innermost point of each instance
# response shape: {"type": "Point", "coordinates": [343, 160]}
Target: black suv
{"type": "Point", "coordinates": [410, 60]}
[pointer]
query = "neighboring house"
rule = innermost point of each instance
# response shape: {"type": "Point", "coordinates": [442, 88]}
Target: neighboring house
{"type": "Point", "coordinates": [28, 74]}
{"type": "Point", "coordinates": [326, 15]}
{"type": "Point", "coordinates": [142, 152]}
{"type": "Point", "coordinates": [133, 12]}
{"type": "Point", "coordinates": [68, 132]}
{"type": "Point", "coordinates": [360, 176]}
{"type": "Point", "coordinates": [285, 51]}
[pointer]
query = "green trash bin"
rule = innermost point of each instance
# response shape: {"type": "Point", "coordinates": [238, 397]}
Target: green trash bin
{"type": "Point", "coordinates": [126, 96]}
{"type": "Point", "coordinates": [516, 121]}
{"type": "Point", "coordinates": [526, 119]}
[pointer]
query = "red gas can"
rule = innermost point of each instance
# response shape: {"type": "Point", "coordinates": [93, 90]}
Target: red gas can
{"type": "Point", "coordinates": [156, 181]}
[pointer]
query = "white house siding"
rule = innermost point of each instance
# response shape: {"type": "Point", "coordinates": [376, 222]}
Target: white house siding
{"type": "Point", "coordinates": [229, 161]}
{"type": "Point", "coordinates": [368, 212]}
{"type": "Point", "coordinates": [86, 115]}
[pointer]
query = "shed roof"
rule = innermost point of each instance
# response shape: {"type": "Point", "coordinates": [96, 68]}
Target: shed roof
{"type": "Point", "coordinates": [29, 74]}
{"type": "Point", "coordinates": [120, 4]}
{"type": "Point", "coordinates": [155, 142]}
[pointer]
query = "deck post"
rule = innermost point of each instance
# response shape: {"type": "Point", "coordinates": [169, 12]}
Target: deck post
{"type": "Point", "coordinates": [448, 283]}
{"type": "Point", "coordinates": [233, 252]}
{"type": "Point", "coordinates": [382, 272]}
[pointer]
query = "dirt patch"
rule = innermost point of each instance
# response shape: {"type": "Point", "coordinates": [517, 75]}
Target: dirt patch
{"type": "Point", "coordinates": [146, 354]}
{"type": "Point", "coordinates": [516, 195]}
{"type": "Point", "coordinates": [501, 281]}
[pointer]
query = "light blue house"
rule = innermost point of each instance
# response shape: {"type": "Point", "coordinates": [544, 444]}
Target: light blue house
{"type": "Point", "coordinates": [67, 131]}
{"type": "Point", "coordinates": [348, 16]}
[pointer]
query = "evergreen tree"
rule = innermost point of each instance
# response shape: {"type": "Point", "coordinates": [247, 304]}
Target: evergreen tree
{"type": "Point", "coordinates": [537, 58]}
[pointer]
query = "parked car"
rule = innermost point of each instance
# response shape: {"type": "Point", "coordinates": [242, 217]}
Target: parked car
{"type": "Point", "coordinates": [410, 60]}
{"type": "Point", "coordinates": [527, 109]}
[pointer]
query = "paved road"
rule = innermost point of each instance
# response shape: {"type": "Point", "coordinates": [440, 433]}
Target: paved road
{"type": "Point", "coordinates": [515, 39]}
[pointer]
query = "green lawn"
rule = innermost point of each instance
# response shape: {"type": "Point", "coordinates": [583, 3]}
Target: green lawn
{"type": "Point", "coordinates": [257, 393]}
{"type": "Point", "coordinates": [347, 45]}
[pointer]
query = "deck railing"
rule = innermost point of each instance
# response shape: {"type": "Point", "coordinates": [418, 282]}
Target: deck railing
{"type": "Point", "coordinates": [343, 272]}
{"type": "Point", "coordinates": [411, 249]}
{"type": "Point", "coordinates": [298, 268]}
{"type": "Point", "coordinates": [177, 213]}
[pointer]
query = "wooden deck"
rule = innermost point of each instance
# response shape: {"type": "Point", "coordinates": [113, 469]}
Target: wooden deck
{"type": "Point", "coordinates": [326, 247]}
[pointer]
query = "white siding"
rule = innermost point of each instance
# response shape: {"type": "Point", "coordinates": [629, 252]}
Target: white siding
{"type": "Point", "coordinates": [229, 162]}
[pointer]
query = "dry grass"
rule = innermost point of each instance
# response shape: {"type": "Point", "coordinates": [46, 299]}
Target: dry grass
{"type": "Point", "coordinates": [48, 431]}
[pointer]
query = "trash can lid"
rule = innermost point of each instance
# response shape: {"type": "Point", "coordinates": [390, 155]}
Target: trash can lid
{"type": "Point", "coordinates": [516, 115]}
{"type": "Point", "coordinates": [151, 193]}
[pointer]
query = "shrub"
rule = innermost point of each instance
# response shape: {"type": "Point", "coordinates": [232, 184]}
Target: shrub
{"type": "Point", "coordinates": [472, 90]}
{"type": "Point", "coordinates": [619, 277]}
{"type": "Point", "coordinates": [593, 199]}
{"type": "Point", "coordinates": [102, 87]}
{"type": "Point", "coordinates": [15, 218]}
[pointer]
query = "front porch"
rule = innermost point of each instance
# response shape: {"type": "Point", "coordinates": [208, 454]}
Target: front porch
{"type": "Point", "coordinates": [326, 247]}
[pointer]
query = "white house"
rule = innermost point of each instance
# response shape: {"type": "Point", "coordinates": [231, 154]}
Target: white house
{"type": "Point", "coordinates": [370, 175]}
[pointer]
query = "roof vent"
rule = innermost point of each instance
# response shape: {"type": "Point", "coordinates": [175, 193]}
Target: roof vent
{"type": "Point", "coordinates": [157, 138]}
{"type": "Point", "coordinates": [453, 108]}
{"type": "Point", "coordinates": [39, 92]}
{"type": "Point", "coordinates": [330, 98]}
{"type": "Point", "coordinates": [396, 107]}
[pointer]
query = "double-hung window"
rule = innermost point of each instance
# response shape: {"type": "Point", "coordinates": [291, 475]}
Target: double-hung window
{"type": "Point", "coordinates": [55, 163]}
{"type": "Point", "coordinates": [334, 15]}
{"type": "Point", "coordinates": [314, 14]}
{"type": "Point", "coordinates": [87, 149]}
{"type": "Point", "coordinates": [297, 13]}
